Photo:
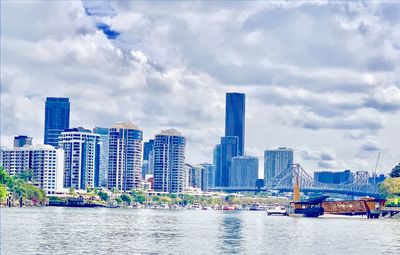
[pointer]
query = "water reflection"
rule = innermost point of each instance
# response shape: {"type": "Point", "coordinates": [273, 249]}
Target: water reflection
{"type": "Point", "coordinates": [231, 228]}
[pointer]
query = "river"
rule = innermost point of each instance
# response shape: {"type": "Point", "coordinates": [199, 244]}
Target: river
{"type": "Point", "coordinates": [57, 230]}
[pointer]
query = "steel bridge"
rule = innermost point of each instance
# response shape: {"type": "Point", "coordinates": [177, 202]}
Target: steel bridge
{"type": "Point", "coordinates": [357, 186]}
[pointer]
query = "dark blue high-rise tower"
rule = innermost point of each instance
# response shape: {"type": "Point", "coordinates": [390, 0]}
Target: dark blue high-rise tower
{"type": "Point", "coordinates": [235, 118]}
{"type": "Point", "coordinates": [56, 119]}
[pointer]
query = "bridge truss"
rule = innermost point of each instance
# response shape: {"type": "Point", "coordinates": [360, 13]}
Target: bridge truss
{"type": "Point", "coordinates": [358, 185]}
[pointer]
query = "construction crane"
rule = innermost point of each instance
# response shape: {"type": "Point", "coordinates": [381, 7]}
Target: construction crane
{"type": "Point", "coordinates": [376, 167]}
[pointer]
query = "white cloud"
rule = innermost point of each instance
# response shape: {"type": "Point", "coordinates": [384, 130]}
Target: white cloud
{"type": "Point", "coordinates": [322, 74]}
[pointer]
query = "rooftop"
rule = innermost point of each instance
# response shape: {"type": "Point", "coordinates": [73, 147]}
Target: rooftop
{"type": "Point", "coordinates": [125, 125]}
{"type": "Point", "coordinates": [170, 132]}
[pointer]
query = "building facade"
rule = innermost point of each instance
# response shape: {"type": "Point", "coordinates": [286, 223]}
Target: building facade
{"type": "Point", "coordinates": [229, 149]}
{"type": "Point", "coordinates": [103, 163]}
{"type": "Point", "coordinates": [56, 119]}
{"type": "Point", "coordinates": [147, 149]}
{"type": "Point", "coordinates": [235, 118]}
{"type": "Point", "coordinates": [169, 161]}
{"type": "Point", "coordinates": [125, 156]}
{"type": "Point", "coordinates": [22, 140]}
{"type": "Point", "coordinates": [244, 172]}
{"type": "Point", "coordinates": [45, 162]}
{"type": "Point", "coordinates": [209, 171]}
{"type": "Point", "coordinates": [81, 158]}
{"type": "Point", "coordinates": [217, 165]}
{"type": "Point", "coordinates": [330, 177]}
{"type": "Point", "coordinates": [276, 161]}
{"type": "Point", "coordinates": [148, 158]}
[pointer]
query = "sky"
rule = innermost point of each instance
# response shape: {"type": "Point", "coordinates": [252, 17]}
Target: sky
{"type": "Point", "coordinates": [320, 77]}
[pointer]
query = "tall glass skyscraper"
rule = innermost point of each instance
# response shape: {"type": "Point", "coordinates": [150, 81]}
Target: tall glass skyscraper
{"type": "Point", "coordinates": [125, 156]}
{"type": "Point", "coordinates": [56, 119]}
{"type": "Point", "coordinates": [229, 149]}
{"type": "Point", "coordinates": [147, 149]}
{"type": "Point", "coordinates": [235, 118]}
{"type": "Point", "coordinates": [81, 158]}
{"type": "Point", "coordinates": [276, 162]}
{"type": "Point", "coordinates": [103, 132]}
{"type": "Point", "coordinates": [169, 161]}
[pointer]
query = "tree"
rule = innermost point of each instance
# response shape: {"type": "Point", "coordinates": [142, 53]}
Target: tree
{"type": "Point", "coordinates": [140, 198]}
{"type": "Point", "coordinates": [188, 199]}
{"type": "Point", "coordinates": [165, 200]}
{"type": "Point", "coordinates": [395, 173]}
{"type": "Point", "coordinates": [72, 192]}
{"type": "Point", "coordinates": [3, 192]}
{"type": "Point", "coordinates": [118, 200]}
{"type": "Point", "coordinates": [26, 175]}
{"type": "Point", "coordinates": [4, 176]}
{"type": "Point", "coordinates": [104, 196]}
{"type": "Point", "coordinates": [232, 199]}
{"type": "Point", "coordinates": [155, 199]}
{"type": "Point", "coordinates": [126, 198]}
{"type": "Point", "coordinates": [390, 186]}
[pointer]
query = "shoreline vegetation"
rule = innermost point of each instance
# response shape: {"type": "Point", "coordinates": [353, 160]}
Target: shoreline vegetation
{"type": "Point", "coordinates": [19, 190]}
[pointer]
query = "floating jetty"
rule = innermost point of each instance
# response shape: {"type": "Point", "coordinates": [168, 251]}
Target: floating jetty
{"type": "Point", "coordinates": [75, 202]}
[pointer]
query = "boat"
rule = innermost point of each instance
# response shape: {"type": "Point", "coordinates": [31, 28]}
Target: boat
{"type": "Point", "coordinates": [277, 210]}
{"type": "Point", "coordinates": [207, 208]}
{"type": "Point", "coordinates": [228, 208]}
{"type": "Point", "coordinates": [258, 207]}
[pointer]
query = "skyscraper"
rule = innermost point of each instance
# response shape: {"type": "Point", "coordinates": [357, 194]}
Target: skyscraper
{"type": "Point", "coordinates": [56, 119]}
{"type": "Point", "coordinates": [148, 158]}
{"type": "Point", "coordinates": [103, 165]}
{"type": "Point", "coordinates": [147, 149]}
{"type": "Point", "coordinates": [125, 156]}
{"type": "Point", "coordinates": [22, 140]}
{"type": "Point", "coordinates": [169, 161]}
{"type": "Point", "coordinates": [217, 165]}
{"type": "Point", "coordinates": [81, 158]}
{"type": "Point", "coordinates": [45, 162]}
{"type": "Point", "coordinates": [276, 161]}
{"type": "Point", "coordinates": [235, 118]}
{"type": "Point", "coordinates": [229, 149]}
{"type": "Point", "coordinates": [244, 172]}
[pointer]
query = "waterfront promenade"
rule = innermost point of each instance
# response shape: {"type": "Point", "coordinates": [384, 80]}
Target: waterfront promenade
{"type": "Point", "coordinates": [60, 230]}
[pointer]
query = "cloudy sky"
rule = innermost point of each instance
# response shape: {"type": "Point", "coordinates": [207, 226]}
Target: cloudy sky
{"type": "Point", "coordinates": [322, 78]}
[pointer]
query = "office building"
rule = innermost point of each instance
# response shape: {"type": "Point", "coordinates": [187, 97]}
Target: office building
{"type": "Point", "coordinates": [103, 163]}
{"type": "Point", "coordinates": [235, 118]}
{"type": "Point", "coordinates": [210, 175]}
{"type": "Point", "coordinates": [244, 172]}
{"type": "Point", "coordinates": [276, 162]}
{"type": "Point", "coordinates": [169, 161]}
{"type": "Point", "coordinates": [45, 162]}
{"type": "Point", "coordinates": [81, 158]}
{"type": "Point", "coordinates": [148, 158]}
{"type": "Point", "coordinates": [147, 149]}
{"type": "Point", "coordinates": [229, 149]}
{"type": "Point", "coordinates": [125, 156]}
{"type": "Point", "coordinates": [330, 177]}
{"type": "Point", "coordinates": [217, 165]}
{"type": "Point", "coordinates": [22, 140]}
{"type": "Point", "coordinates": [56, 119]}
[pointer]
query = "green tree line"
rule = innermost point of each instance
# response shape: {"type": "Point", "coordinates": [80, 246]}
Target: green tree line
{"type": "Point", "coordinates": [19, 186]}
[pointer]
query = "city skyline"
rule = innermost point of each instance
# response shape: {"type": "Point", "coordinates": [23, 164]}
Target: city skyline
{"type": "Point", "coordinates": [336, 106]}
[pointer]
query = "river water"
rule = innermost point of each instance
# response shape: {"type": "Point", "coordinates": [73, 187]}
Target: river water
{"type": "Point", "coordinates": [57, 230]}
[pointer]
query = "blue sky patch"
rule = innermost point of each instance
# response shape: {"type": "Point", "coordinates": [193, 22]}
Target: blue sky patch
{"type": "Point", "coordinates": [111, 34]}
